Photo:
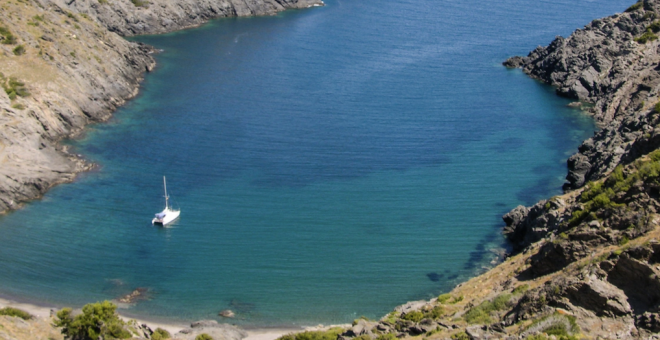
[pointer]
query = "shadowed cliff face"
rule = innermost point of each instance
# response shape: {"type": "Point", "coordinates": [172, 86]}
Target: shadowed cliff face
{"type": "Point", "coordinates": [71, 67]}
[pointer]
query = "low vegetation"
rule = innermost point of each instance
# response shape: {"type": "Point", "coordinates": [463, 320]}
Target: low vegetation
{"type": "Point", "coordinates": [635, 6]}
{"type": "Point", "coordinates": [460, 336]}
{"type": "Point", "coordinates": [15, 312]}
{"type": "Point", "coordinates": [19, 50]}
{"type": "Point", "coordinates": [6, 37]}
{"type": "Point", "coordinates": [481, 314]}
{"type": "Point", "coordinates": [330, 334]}
{"type": "Point", "coordinates": [387, 336]}
{"type": "Point", "coordinates": [603, 194]}
{"type": "Point", "coordinates": [13, 87]}
{"type": "Point", "coordinates": [444, 298]}
{"type": "Point", "coordinates": [97, 320]}
{"type": "Point", "coordinates": [562, 327]}
{"type": "Point", "coordinates": [160, 334]}
{"type": "Point", "coordinates": [140, 3]}
{"type": "Point", "coordinates": [646, 37]}
{"type": "Point", "coordinates": [203, 336]}
{"type": "Point", "coordinates": [520, 289]}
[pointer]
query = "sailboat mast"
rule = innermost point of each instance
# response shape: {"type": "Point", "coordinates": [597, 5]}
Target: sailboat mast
{"type": "Point", "coordinates": [165, 186]}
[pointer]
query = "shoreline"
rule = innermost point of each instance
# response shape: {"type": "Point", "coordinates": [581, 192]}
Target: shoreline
{"type": "Point", "coordinates": [253, 333]}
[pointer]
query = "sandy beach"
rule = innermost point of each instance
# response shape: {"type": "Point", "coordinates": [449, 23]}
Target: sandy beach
{"type": "Point", "coordinates": [253, 334]}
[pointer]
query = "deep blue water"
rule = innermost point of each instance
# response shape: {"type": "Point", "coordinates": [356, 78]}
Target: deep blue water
{"type": "Point", "coordinates": [329, 163]}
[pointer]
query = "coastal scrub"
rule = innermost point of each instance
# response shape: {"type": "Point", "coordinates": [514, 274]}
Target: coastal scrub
{"type": "Point", "coordinates": [6, 37]}
{"type": "Point", "coordinates": [97, 320]}
{"type": "Point", "coordinates": [15, 312]}
{"type": "Point", "coordinates": [160, 334]}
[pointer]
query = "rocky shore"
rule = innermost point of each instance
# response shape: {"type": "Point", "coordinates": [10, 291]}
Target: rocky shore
{"type": "Point", "coordinates": [586, 264]}
{"type": "Point", "coordinates": [65, 64]}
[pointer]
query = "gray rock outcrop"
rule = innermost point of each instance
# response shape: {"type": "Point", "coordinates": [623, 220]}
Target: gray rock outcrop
{"type": "Point", "coordinates": [77, 69]}
{"type": "Point", "coordinates": [603, 65]}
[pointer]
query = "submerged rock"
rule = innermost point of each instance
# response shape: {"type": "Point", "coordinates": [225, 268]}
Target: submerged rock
{"type": "Point", "coordinates": [138, 294]}
{"type": "Point", "coordinates": [227, 313]}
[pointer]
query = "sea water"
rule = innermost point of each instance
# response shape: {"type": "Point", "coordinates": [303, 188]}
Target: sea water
{"type": "Point", "coordinates": [329, 163]}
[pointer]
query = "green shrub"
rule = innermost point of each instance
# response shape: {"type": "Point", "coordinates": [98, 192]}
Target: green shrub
{"type": "Point", "coordinates": [520, 289]}
{"type": "Point", "coordinates": [444, 298]}
{"type": "Point", "coordinates": [481, 313]}
{"type": "Point", "coordinates": [436, 313]}
{"type": "Point", "coordinates": [600, 201]}
{"type": "Point", "coordinates": [635, 7]}
{"type": "Point", "coordinates": [15, 312]}
{"type": "Point", "coordinates": [7, 37]}
{"type": "Point", "coordinates": [391, 317]}
{"type": "Point", "coordinates": [71, 16]}
{"type": "Point", "coordinates": [561, 326]}
{"type": "Point", "coordinates": [97, 320]}
{"type": "Point", "coordinates": [646, 37]}
{"type": "Point", "coordinates": [414, 316]}
{"type": "Point", "coordinates": [13, 87]}
{"type": "Point", "coordinates": [649, 170]}
{"type": "Point", "coordinates": [593, 190]}
{"type": "Point", "coordinates": [140, 3]}
{"type": "Point", "coordinates": [457, 300]}
{"type": "Point", "coordinates": [655, 155]}
{"type": "Point", "coordinates": [654, 27]}
{"type": "Point", "coordinates": [501, 302]}
{"type": "Point", "coordinates": [478, 315]}
{"type": "Point", "coordinates": [623, 240]}
{"type": "Point", "coordinates": [577, 217]}
{"type": "Point", "coordinates": [160, 334]}
{"type": "Point", "coordinates": [203, 336]}
{"type": "Point", "coordinates": [330, 334]}
{"type": "Point", "coordinates": [616, 176]}
{"type": "Point", "coordinates": [19, 50]}
{"type": "Point", "coordinates": [563, 235]}
{"type": "Point", "coordinates": [460, 336]}
{"type": "Point", "coordinates": [387, 336]}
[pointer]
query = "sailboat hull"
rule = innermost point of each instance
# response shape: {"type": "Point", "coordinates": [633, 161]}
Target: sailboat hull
{"type": "Point", "coordinates": [169, 217]}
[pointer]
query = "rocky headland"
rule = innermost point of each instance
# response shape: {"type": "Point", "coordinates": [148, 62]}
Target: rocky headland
{"type": "Point", "coordinates": [585, 264]}
{"type": "Point", "coordinates": [65, 64]}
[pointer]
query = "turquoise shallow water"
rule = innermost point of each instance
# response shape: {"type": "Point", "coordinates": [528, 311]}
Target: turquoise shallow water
{"type": "Point", "coordinates": [329, 163]}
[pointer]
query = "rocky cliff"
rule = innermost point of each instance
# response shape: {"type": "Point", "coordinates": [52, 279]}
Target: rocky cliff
{"type": "Point", "coordinates": [586, 264]}
{"type": "Point", "coordinates": [611, 65]}
{"type": "Point", "coordinates": [64, 64]}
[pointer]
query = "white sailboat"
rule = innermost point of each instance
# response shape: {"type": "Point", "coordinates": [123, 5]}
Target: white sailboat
{"type": "Point", "coordinates": [167, 215]}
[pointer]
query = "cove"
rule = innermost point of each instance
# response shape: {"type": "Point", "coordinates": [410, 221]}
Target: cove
{"type": "Point", "coordinates": [329, 163]}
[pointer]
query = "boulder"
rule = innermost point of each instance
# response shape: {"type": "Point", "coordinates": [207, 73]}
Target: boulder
{"type": "Point", "coordinates": [599, 296]}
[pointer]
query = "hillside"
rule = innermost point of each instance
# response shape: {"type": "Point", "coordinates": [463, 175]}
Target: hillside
{"type": "Point", "coordinates": [64, 64]}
